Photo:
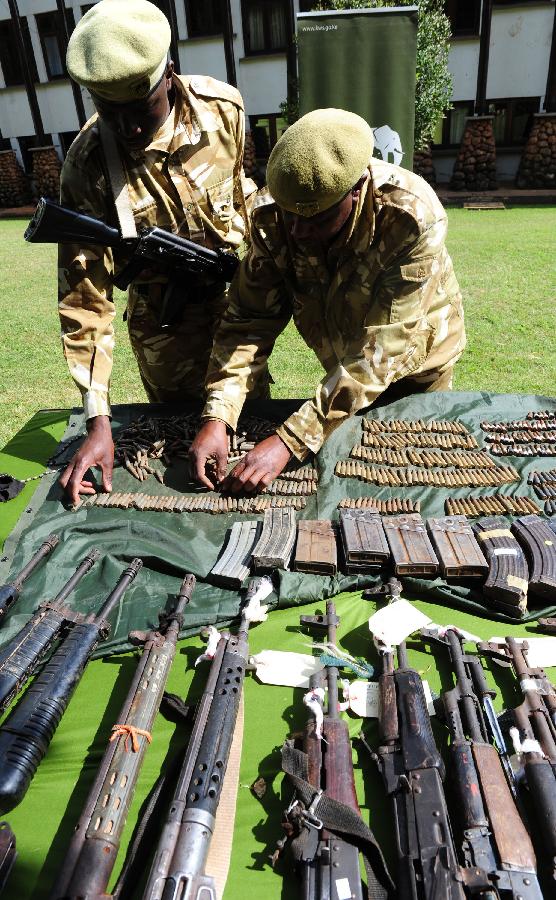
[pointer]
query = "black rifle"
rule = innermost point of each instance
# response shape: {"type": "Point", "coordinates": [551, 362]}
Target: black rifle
{"type": "Point", "coordinates": [153, 248]}
{"type": "Point", "coordinates": [324, 815]}
{"type": "Point", "coordinates": [413, 772]}
{"type": "Point", "coordinates": [495, 847]}
{"type": "Point", "coordinates": [23, 653]}
{"type": "Point", "coordinates": [9, 593]}
{"type": "Point", "coordinates": [178, 868]}
{"type": "Point", "coordinates": [94, 847]}
{"type": "Point", "coordinates": [26, 734]}
{"type": "Point", "coordinates": [534, 719]}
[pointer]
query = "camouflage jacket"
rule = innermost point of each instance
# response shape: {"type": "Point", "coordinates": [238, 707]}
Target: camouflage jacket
{"type": "Point", "coordinates": [188, 180]}
{"type": "Point", "coordinates": [384, 304]}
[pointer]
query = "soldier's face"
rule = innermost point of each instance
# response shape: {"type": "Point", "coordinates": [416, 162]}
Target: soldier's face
{"type": "Point", "coordinates": [324, 227]}
{"type": "Point", "coordinates": [134, 124]}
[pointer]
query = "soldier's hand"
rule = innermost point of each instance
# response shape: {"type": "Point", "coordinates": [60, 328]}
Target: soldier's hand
{"type": "Point", "coordinates": [96, 450]}
{"type": "Point", "coordinates": [259, 467]}
{"type": "Point", "coordinates": [208, 454]}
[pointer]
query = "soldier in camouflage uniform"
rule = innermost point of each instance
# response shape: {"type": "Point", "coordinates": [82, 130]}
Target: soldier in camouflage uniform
{"type": "Point", "coordinates": [361, 265]}
{"type": "Point", "coordinates": [179, 143]}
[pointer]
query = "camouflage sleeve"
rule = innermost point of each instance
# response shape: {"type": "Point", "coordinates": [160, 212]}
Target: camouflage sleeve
{"type": "Point", "coordinates": [394, 341]}
{"type": "Point", "coordinates": [258, 309]}
{"type": "Point", "coordinates": [85, 296]}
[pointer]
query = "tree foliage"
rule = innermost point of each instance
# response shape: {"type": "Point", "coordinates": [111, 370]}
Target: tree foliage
{"type": "Point", "coordinates": [433, 88]}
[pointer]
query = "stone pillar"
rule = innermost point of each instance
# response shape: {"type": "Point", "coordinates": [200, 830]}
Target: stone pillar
{"type": "Point", "coordinates": [423, 165]}
{"type": "Point", "coordinates": [537, 167]}
{"type": "Point", "coordinates": [475, 166]}
{"type": "Point", "coordinates": [46, 172]}
{"type": "Point", "coordinates": [14, 185]}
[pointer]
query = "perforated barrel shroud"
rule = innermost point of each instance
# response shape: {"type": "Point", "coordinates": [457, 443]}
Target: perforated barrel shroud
{"type": "Point", "coordinates": [539, 544]}
{"type": "Point", "coordinates": [412, 551]}
{"type": "Point", "coordinates": [316, 551]}
{"type": "Point", "coordinates": [507, 581]}
{"type": "Point", "coordinates": [275, 545]}
{"type": "Point", "coordinates": [364, 543]}
{"type": "Point", "coordinates": [456, 547]}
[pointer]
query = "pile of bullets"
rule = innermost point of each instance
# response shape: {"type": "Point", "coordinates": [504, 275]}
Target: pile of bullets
{"type": "Point", "coordinates": [385, 507]}
{"type": "Point", "coordinates": [533, 436]}
{"type": "Point", "coordinates": [435, 478]}
{"type": "Point", "coordinates": [201, 503]}
{"type": "Point", "coordinates": [403, 440]}
{"type": "Point", "coordinates": [490, 505]}
{"type": "Point", "coordinates": [169, 439]}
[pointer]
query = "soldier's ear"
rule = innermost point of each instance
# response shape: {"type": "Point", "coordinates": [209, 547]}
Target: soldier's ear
{"type": "Point", "coordinates": [356, 189]}
{"type": "Point", "coordinates": [168, 74]}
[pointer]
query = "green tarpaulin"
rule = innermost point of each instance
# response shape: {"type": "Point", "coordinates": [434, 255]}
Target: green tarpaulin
{"type": "Point", "coordinates": [363, 60]}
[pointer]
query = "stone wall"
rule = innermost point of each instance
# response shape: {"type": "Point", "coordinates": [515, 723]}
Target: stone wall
{"type": "Point", "coordinates": [46, 172]}
{"type": "Point", "coordinates": [14, 186]}
{"type": "Point", "coordinates": [475, 166]}
{"type": "Point", "coordinates": [423, 165]}
{"type": "Point", "coordinates": [537, 168]}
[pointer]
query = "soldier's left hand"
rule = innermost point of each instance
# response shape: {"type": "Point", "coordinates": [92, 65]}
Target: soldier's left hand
{"type": "Point", "coordinates": [258, 468]}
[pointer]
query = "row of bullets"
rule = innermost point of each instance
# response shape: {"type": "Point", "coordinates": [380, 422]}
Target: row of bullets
{"type": "Point", "coordinates": [378, 426]}
{"type": "Point", "coordinates": [304, 473]}
{"type": "Point", "coordinates": [548, 477]}
{"type": "Point", "coordinates": [429, 458]}
{"type": "Point", "coordinates": [531, 423]}
{"type": "Point", "coordinates": [490, 505]}
{"type": "Point", "coordinates": [545, 491]}
{"type": "Point", "coordinates": [349, 468]}
{"type": "Point", "coordinates": [404, 441]}
{"type": "Point", "coordinates": [523, 449]}
{"type": "Point", "coordinates": [385, 507]}
{"type": "Point", "coordinates": [291, 488]}
{"type": "Point", "coordinates": [542, 414]}
{"type": "Point", "coordinates": [202, 503]}
{"type": "Point", "coordinates": [550, 508]}
{"type": "Point", "coordinates": [523, 437]}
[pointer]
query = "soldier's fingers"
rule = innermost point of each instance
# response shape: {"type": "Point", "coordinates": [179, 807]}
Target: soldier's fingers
{"type": "Point", "coordinates": [66, 474]}
{"type": "Point", "coordinates": [231, 478]}
{"type": "Point", "coordinates": [221, 464]}
{"type": "Point", "coordinates": [76, 479]}
{"type": "Point", "coordinates": [106, 469]}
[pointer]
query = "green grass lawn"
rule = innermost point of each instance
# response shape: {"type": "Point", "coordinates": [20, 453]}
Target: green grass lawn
{"type": "Point", "coordinates": [504, 259]}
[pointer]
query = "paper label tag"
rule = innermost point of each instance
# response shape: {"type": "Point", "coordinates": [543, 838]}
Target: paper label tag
{"type": "Point", "coordinates": [394, 623]}
{"type": "Point", "coordinates": [284, 668]}
{"type": "Point", "coordinates": [541, 651]}
{"type": "Point", "coordinates": [364, 699]}
{"type": "Point", "coordinates": [343, 889]}
{"type": "Point", "coordinates": [505, 551]}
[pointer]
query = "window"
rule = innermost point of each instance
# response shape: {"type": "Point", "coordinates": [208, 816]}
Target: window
{"type": "Point", "coordinates": [464, 16]}
{"type": "Point", "coordinates": [9, 53]}
{"type": "Point", "coordinates": [266, 130]}
{"type": "Point", "coordinates": [265, 25]}
{"type": "Point", "coordinates": [66, 140]}
{"type": "Point", "coordinates": [512, 119]}
{"type": "Point", "coordinates": [450, 130]}
{"type": "Point", "coordinates": [307, 5]}
{"type": "Point", "coordinates": [52, 33]}
{"type": "Point", "coordinates": [204, 19]}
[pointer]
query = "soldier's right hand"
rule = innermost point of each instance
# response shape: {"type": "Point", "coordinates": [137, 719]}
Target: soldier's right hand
{"type": "Point", "coordinates": [96, 450]}
{"type": "Point", "coordinates": [209, 453]}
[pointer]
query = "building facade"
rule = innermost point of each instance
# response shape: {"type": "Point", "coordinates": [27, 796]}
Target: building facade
{"type": "Point", "coordinates": [503, 64]}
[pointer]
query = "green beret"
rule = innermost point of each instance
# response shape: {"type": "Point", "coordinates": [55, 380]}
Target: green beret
{"type": "Point", "coordinates": [318, 160]}
{"type": "Point", "coordinates": [119, 49]}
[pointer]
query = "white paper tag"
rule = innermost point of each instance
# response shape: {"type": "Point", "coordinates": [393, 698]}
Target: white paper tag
{"type": "Point", "coordinates": [364, 699]}
{"type": "Point", "coordinates": [284, 668]}
{"type": "Point", "coordinates": [392, 624]}
{"type": "Point", "coordinates": [343, 889]}
{"type": "Point", "coordinates": [505, 551]}
{"type": "Point", "coordinates": [541, 651]}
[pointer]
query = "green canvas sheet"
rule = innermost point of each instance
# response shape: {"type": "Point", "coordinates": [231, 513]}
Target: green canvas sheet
{"type": "Point", "coordinates": [44, 821]}
{"type": "Point", "coordinates": [172, 544]}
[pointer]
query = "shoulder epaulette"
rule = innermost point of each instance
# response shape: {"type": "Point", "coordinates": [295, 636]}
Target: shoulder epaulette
{"type": "Point", "coordinates": [205, 86]}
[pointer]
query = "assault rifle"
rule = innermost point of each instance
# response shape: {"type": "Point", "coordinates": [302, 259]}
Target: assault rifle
{"type": "Point", "coordinates": [413, 772]}
{"type": "Point", "coordinates": [178, 868]}
{"type": "Point", "coordinates": [153, 248]}
{"type": "Point", "coordinates": [10, 592]}
{"type": "Point", "coordinates": [324, 814]}
{"type": "Point", "coordinates": [96, 840]}
{"type": "Point", "coordinates": [23, 653]}
{"type": "Point", "coordinates": [494, 845]}
{"type": "Point", "coordinates": [534, 736]}
{"type": "Point", "coordinates": [26, 734]}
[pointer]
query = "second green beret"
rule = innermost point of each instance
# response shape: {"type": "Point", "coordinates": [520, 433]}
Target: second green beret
{"type": "Point", "coordinates": [318, 160]}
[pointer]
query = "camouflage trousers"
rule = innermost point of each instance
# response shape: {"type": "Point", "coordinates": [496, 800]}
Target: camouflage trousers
{"type": "Point", "coordinates": [173, 360]}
